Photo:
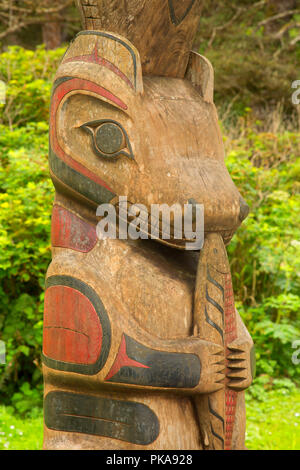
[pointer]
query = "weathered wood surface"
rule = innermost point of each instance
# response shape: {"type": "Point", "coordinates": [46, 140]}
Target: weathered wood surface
{"type": "Point", "coordinates": [143, 348]}
{"type": "Point", "coordinates": [215, 317]}
{"type": "Point", "coordinates": [162, 30]}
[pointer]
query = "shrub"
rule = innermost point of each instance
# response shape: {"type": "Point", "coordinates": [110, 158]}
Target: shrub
{"type": "Point", "coordinates": [266, 169]}
{"type": "Point", "coordinates": [28, 75]}
{"type": "Point", "coordinates": [26, 196]}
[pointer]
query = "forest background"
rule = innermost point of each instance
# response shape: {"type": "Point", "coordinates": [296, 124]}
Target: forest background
{"type": "Point", "coordinates": [255, 50]}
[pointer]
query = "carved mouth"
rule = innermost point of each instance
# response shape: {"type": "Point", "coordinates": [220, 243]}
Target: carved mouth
{"type": "Point", "coordinates": [153, 228]}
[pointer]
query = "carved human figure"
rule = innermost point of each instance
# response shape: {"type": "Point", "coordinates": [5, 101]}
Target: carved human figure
{"type": "Point", "coordinates": [143, 348]}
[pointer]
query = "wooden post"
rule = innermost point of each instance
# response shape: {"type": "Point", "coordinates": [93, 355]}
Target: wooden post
{"type": "Point", "coordinates": [143, 348]}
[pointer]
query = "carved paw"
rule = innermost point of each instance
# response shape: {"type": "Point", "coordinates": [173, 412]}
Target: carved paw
{"type": "Point", "coordinates": [241, 364]}
{"type": "Point", "coordinates": [212, 368]}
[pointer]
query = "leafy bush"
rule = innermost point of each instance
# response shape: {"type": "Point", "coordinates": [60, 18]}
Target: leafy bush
{"type": "Point", "coordinates": [20, 434]}
{"type": "Point", "coordinates": [254, 58]}
{"type": "Point", "coordinates": [26, 196]}
{"type": "Point", "coordinates": [266, 169]}
{"type": "Point", "coordinates": [28, 75]}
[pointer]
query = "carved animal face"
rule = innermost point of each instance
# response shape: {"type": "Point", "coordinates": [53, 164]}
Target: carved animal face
{"type": "Point", "coordinates": [155, 140]}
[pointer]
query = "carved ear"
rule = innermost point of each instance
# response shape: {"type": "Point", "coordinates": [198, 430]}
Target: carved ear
{"type": "Point", "coordinates": [108, 51]}
{"type": "Point", "coordinates": [200, 73]}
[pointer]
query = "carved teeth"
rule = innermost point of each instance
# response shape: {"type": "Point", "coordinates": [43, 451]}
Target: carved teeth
{"type": "Point", "coordinates": [237, 357]}
{"type": "Point", "coordinates": [237, 365]}
{"type": "Point", "coordinates": [234, 348]}
{"type": "Point", "coordinates": [240, 374]}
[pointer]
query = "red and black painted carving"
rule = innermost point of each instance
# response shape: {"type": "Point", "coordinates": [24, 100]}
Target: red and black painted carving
{"type": "Point", "coordinates": [123, 420]}
{"type": "Point", "coordinates": [139, 365]}
{"type": "Point", "coordinates": [65, 168]}
{"type": "Point", "coordinates": [123, 43]}
{"type": "Point", "coordinates": [94, 58]}
{"type": "Point", "coordinates": [70, 231]}
{"type": "Point", "coordinates": [109, 138]}
{"type": "Point", "coordinates": [220, 419]}
{"type": "Point", "coordinates": [230, 335]}
{"type": "Point", "coordinates": [77, 333]}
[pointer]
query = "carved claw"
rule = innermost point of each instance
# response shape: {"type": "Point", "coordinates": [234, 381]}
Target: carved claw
{"type": "Point", "coordinates": [241, 364]}
{"type": "Point", "coordinates": [212, 367]}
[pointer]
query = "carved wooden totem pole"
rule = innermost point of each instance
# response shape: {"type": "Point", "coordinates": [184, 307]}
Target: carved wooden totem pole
{"type": "Point", "coordinates": [143, 347]}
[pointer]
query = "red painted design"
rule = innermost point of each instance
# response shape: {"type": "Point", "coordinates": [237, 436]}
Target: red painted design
{"type": "Point", "coordinates": [77, 84]}
{"type": "Point", "coordinates": [123, 360]}
{"type": "Point", "coordinates": [94, 58]}
{"type": "Point", "coordinates": [72, 329]}
{"type": "Point", "coordinates": [230, 335]}
{"type": "Point", "coordinates": [69, 231]}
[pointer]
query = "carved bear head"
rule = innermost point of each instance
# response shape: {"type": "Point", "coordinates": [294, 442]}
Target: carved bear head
{"type": "Point", "coordinates": [155, 140]}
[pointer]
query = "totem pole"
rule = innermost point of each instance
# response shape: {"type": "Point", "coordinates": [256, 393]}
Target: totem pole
{"type": "Point", "coordinates": [143, 347]}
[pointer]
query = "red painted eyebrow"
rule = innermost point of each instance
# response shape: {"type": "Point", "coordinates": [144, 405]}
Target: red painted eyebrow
{"type": "Point", "coordinates": [94, 58]}
{"type": "Point", "coordinates": [62, 90]}
{"type": "Point", "coordinates": [78, 84]}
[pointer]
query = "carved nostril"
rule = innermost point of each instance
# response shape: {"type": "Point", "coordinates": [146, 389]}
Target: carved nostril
{"type": "Point", "coordinates": [244, 210]}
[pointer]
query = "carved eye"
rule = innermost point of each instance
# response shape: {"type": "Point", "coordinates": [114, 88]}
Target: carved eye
{"type": "Point", "coordinates": [109, 138]}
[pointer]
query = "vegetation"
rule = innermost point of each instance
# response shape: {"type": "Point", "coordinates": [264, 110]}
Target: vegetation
{"type": "Point", "coordinates": [254, 70]}
{"type": "Point", "coordinates": [254, 47]}
{"type": "Point", "coordinates": [273, 422]}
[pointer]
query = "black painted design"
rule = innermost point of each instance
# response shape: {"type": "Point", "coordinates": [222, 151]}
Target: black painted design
{"type": "Point", "coordinates": [216, 415]}
{"type": "Point", "coordinates": [175, 20]}
{"type": "Point", "coordinates": [213, 412]}
{"type": "Point", "coordinates": [85, 289]}
{"type": "Point", "coordinates": [59, 81]}
{"type": "Point", "coordinates": [126, 421]}
{"type": "Point", "coordinates": [167, 370]}
{"type": "Point", "coordinates": [213, 324]}
{"type": "Point", "coordinates": [111, 135]}
{"type": "Point", "coordinates": [78, 182]}
{"type": "Point", "coordinates": [215, 304]}
{"type": "Point", "coordinates": [109, 138]}
{"type": "Point", "coordinates": [217, 436]}
{"type": "Point", "coordinates": [110, 36]}
{"type": "Point", "coordinates": [214, 282]}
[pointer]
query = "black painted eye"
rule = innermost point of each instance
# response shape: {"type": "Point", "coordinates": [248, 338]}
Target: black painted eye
{"type": "Point", "coordinates": [109, 138]}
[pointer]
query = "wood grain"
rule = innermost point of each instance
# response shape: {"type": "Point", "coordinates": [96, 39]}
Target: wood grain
{"type": "Point", "coordinates": [162, 30]}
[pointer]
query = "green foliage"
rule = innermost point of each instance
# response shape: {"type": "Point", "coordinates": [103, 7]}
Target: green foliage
{"type": "Point", "coordinates": [266, 169]}
{"type": "Point", "coordinates": [254, 61]}
{"type": "Point", "coordinates": [26, 195]}
{"type": "Point", "coordinates": [273, 422]}
{"type": "Point", "coordinates": [19, 434]}
{"type": "Point", "coordinates": [28, 75]}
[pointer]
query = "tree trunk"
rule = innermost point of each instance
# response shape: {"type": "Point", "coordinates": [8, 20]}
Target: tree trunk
{"type": "Point", "coordinates": [52, 34]}
{"type": "Point", "coordinates": [52, 30]}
